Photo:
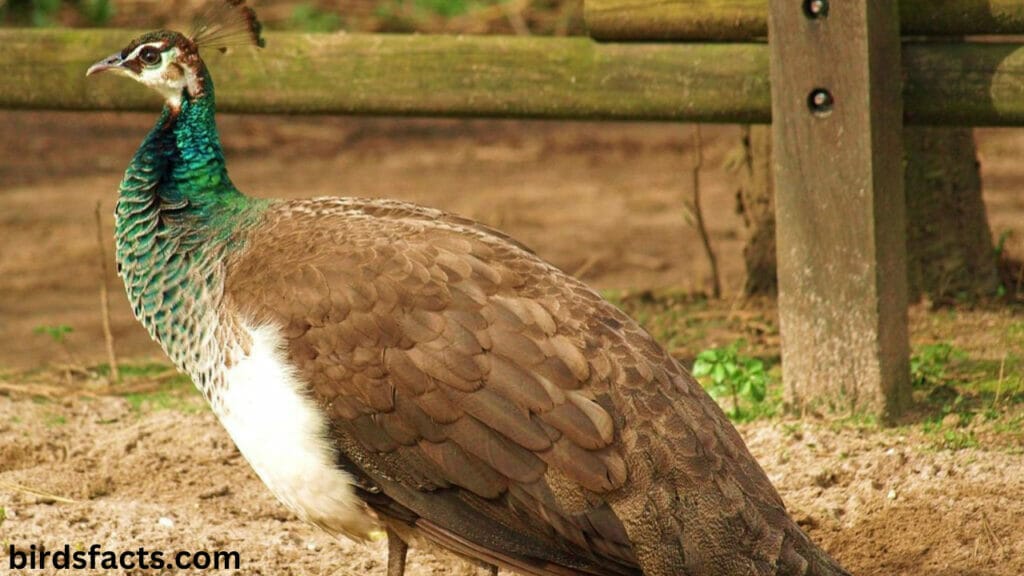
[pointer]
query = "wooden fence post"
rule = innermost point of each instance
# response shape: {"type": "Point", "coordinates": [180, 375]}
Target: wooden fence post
{"type": "Point", "coordinates": [837, 119]}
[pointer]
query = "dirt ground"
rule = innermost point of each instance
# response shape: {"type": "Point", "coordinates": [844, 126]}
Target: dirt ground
{"type": "Point", "coordinates": [603, 201]}
{"type": "Point", "coordinates": [882, 502]}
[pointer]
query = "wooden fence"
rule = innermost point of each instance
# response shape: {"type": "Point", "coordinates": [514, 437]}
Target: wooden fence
{"type": "Point", "coordinates": [744, 20]}
{"type": "Point", "coordinates": [570, 78]}
{"type": "Point", "coordinates": [836, 84]}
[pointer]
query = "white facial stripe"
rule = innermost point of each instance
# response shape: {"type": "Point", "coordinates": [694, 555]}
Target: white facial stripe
{"type": "Point", "coordinates": [135, 53]}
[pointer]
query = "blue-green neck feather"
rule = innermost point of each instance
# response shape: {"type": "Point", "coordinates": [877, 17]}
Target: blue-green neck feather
{"type": "Point", "coordinates": [177, 218]}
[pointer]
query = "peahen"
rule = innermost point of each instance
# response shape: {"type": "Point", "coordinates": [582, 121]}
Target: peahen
{"type": "Point", "coordinates": [381, 364]}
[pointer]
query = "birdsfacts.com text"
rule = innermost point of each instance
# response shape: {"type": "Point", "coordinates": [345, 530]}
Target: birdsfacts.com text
{"type": "Point", "coordinates": [96, 558]}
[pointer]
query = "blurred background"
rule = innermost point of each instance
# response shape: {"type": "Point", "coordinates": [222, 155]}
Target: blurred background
{"type": "Point", "coordinates": [558, 17]}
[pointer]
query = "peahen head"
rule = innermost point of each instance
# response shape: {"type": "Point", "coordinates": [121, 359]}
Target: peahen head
{"type": "Point", "coordinates": [169, 62]}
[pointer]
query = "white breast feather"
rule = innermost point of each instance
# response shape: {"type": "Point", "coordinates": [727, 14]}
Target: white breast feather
{"type": "Point", "coordinates": [283, 434]}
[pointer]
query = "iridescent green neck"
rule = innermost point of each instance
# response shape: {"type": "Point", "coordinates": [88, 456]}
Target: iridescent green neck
{"type": "Point", "coordinates": [177, 218]}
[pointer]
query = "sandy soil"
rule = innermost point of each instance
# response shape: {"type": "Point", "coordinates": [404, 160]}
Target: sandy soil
{"type": "Point", "coordinates": [600, 200]}
{"type": "Point", "coordinates": [882, 502]}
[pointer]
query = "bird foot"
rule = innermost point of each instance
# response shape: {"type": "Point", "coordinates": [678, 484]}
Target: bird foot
{"type": "Point", "coordinates": [397, 551]}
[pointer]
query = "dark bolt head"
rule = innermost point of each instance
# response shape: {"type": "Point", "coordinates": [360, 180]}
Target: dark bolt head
{"type": "Point", "coordinates": [820, 102]}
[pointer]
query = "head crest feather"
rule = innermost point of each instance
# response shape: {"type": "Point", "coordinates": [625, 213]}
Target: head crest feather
{"type": "Point", "coordinates": [226, 23]}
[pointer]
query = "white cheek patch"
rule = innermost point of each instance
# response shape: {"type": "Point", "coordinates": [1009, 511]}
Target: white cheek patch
{"type": "Point", "coordinates": [166, 78]}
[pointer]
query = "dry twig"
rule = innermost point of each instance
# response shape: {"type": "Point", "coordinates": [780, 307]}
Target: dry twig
{"type": "Point", "coordinates": [716, 282]}
{"type": "Point", "coordinates": [514, 15]}
{"type": "Point", "coordinates": [999, 383]}
{"type": "Point", "coordinates": [1020, 281]}
{"type": "Point", "coordinates": [11, 486]}
{"type": "Point", "coordinates": [32, 390]}
{"type": "Point", "coordinates": [108, 335]}
{"type": "Point", "coordinates": [586, 266]}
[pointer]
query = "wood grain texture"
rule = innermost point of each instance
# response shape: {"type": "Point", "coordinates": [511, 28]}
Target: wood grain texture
{"type": "Point", "coordinates": [413, 75]}
{"type": "Point", "coordinates": [500, 408]}
{"type": "Point", "coordinates": [745, 20]}
{"type": "Point", "coordinates": [840, 207]}
{"type": "Point", "coordinates": [945, 84]}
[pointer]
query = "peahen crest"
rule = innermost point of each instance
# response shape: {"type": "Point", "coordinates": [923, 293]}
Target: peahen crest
{"type": "Point", "coordinates": [226, 23]}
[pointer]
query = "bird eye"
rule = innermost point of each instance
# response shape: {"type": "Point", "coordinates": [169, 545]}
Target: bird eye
{"type": "Point", "coordinates": [149, 56]}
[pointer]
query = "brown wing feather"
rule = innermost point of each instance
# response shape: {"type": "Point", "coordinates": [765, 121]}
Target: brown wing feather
{"type": "Point", "coordinates": [519, 415]}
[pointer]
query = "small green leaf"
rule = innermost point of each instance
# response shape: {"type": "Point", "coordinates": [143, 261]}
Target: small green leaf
{"type": "Point", "coordinates": [718, 373]}
{"type": "Point", "coordinates": [701, 368]}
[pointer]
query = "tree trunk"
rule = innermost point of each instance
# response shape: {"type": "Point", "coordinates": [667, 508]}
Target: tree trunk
{"type": "Point", "coordinates": [755, 201]}
{"type": "Point", "coordinates": [949, 243]}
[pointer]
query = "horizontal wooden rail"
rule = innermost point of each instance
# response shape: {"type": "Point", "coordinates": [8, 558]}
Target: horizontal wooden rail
{"type": "Point", "coordinates": [964, 84]}
{"type": "Point", "coordinates": [413, 75]}
{"type": "Point", "coordinates": [739, 20]}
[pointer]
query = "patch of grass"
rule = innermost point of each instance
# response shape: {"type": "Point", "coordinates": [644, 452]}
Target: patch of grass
{"type": "Point", "coordinates": [407, 15]}
{"type": "Point", "coordinates": [58, 333]}
{"type": "Point", "coordinates": [42, 13]}
{"type": "Point", "coordinates": [175, 394]}
{"type": "Point", "coordinates": [1013, 425]}
{"type": "Point", "coordinates": [738, 380]}
{"type": "Point", "coordinates": [856, 421]}
{"type": "Point", "coordinates": [426, 8]}
{"type": "Point", "coordinates": [958, 439]}
{"type": "Point", "coordinates": [96, 12]}
{"type": "Point", "coordinates": [308, 18]}
{"type": "Point", "coordinates": [136, 370]}
{"type": "Point", "coordinates": [946, 437]}
{"type": "Point", "coordinates": [163, 387]}
{"type": "Point", "coordinates": [968, 401]}
{"type": "Point", "coordinates": [51, 420]}
{"type": "Point", "coordinates": [929, 364]}
{"type": "Point", "coordinates": [1000, 247]}
{"type": "Point", "coordinates": [31, 12]}
{"type": "Point", "coordinates": [998, 382]}
{"type": "Point", "coordinates": [3, 515]}
{"type": "Point", "coordinates": [1015, 332]}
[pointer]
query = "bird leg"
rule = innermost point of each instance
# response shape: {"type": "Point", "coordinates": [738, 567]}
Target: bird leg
{"type": "Point", "coordinates": [397, 549]}
{"type": "Point", "coordinates": [493, 570]}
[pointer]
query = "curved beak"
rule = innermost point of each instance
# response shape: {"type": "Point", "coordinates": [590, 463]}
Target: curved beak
{"type": "Point", "coordinates": [112, 62]}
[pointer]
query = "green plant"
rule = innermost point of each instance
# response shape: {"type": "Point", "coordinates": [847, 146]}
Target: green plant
{"type": "Point", "coordinates": [1000, 247]}
{"type": "Point", "coordinates": [41, 13]}
{"type": "Point", "coordinates": [309, 18]}
{"type": "Point", "coordinates": [176, 394]}
{"type": "Point", "coordinates": [3, 515]}
{"type": "Point", "coordinates": [929, 364]}
{"type": "Point", "coordinates": [1016, 331]}
{"type": "Point", "coordinates": [727, 374]}
{"type": "Point", "coordinates": [945, 437]}
{"type": "Point", "coordinates": [97, 12]}
{"type": "Point", "coordinates": [408, 12]}
{"type": "Point", "coordinates": [58, 333]}
{"type": "Point", "coordinates": [31, 12]}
